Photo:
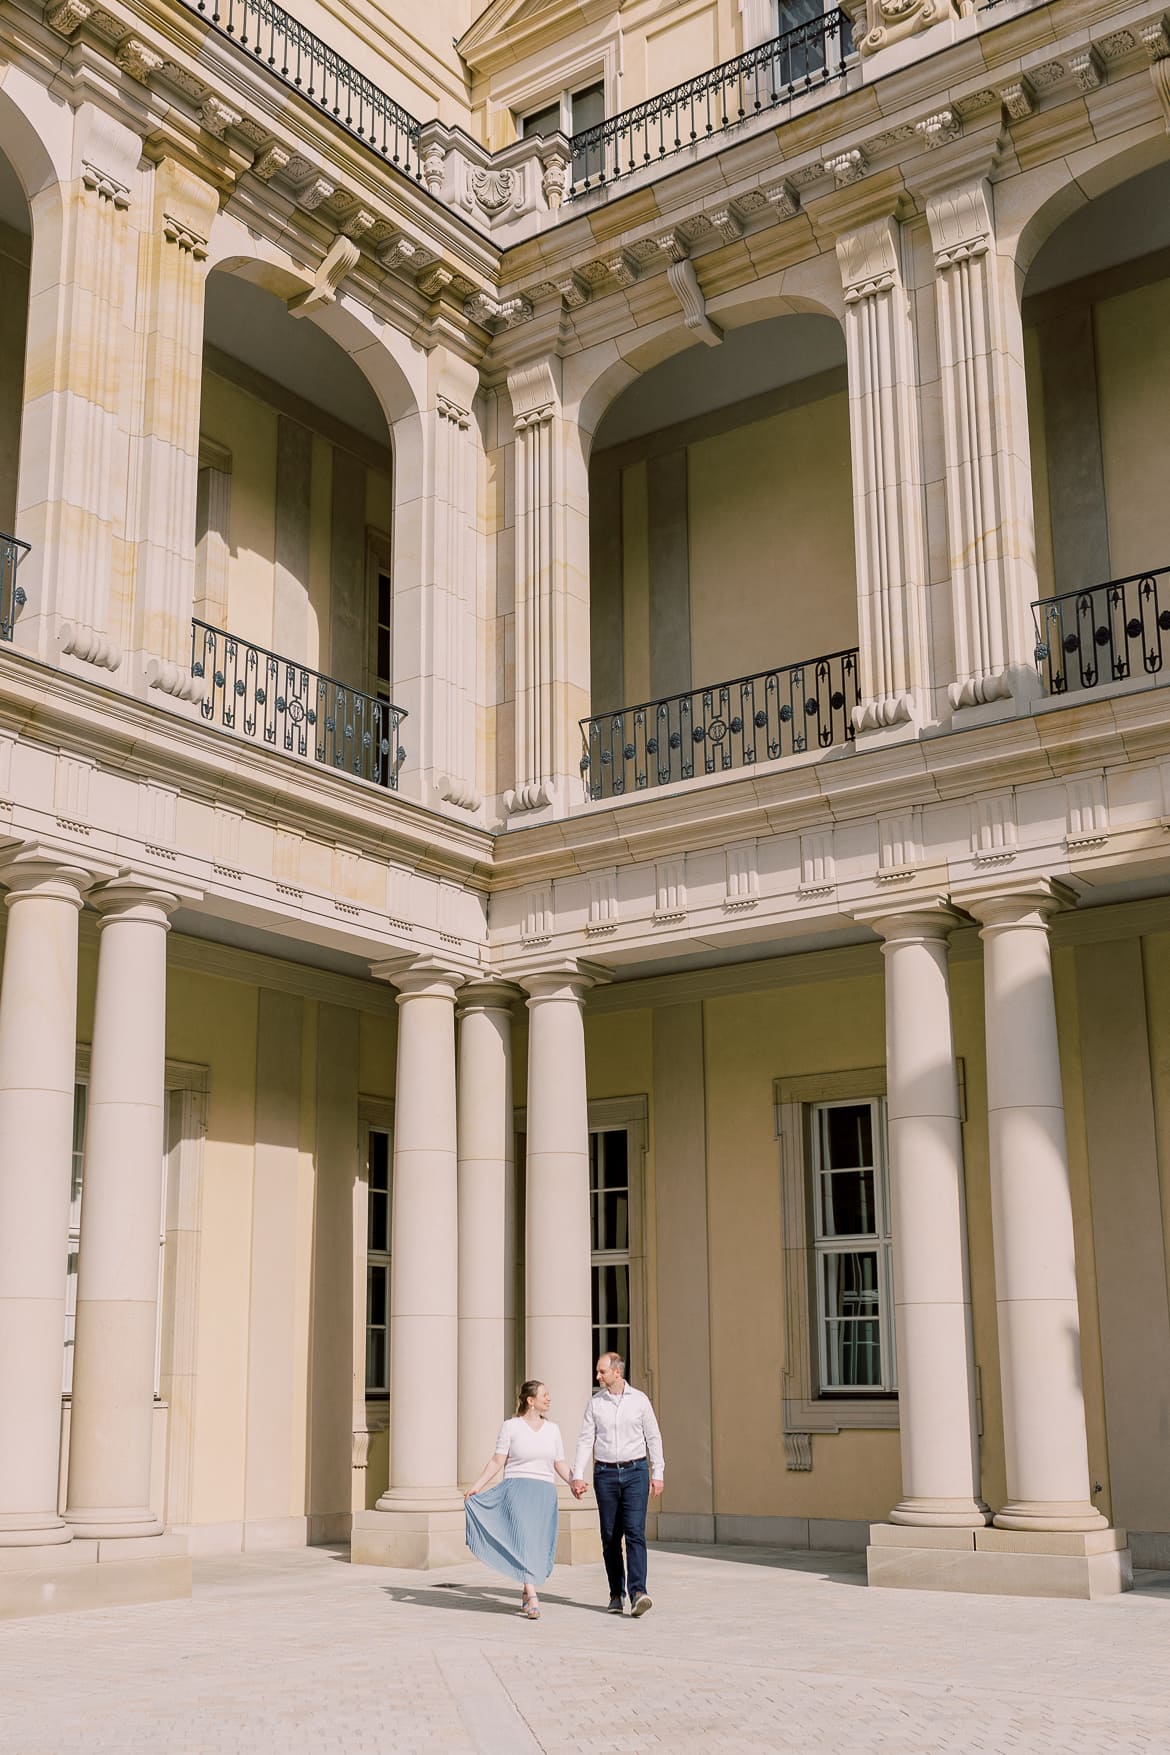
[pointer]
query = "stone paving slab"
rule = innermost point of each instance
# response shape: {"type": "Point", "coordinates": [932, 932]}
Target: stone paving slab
{"type": "Point", "coordinates": [745, 1650]}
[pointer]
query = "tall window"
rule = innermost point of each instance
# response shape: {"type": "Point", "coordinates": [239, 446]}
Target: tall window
{"type": "Point", "coordinates": [80, 1109]}
{"type": "Point", "coordinates": [851, 1228]}
{"type": "Point", "coordinates": [378, 1264]}
{"type": "Point", "coordinates": [609, 1201]}
{"type": "Point", "coordinates": [572, 112]}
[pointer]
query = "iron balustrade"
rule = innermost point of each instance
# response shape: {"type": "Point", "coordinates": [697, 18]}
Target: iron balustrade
{"type": "Point", "coordinates": [306, 64]}
{"type": "Point", "coordinates": [810, 55]}
{"type": "Point", "coordinates": [12, 552]}
{"type": "Point", "coordinates": [1106, 633]}
{"type": "Point", "coordinates": [290, 707]}
{"type": "Point", "coordinates": [781, 712]}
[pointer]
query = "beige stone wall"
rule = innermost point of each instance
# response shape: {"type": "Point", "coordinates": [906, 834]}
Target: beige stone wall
{"type": "Point", "coordinates": [14, 249]}
{"type": "Point", "coordinates": [407, 50]}
{"type": "Point", "coordinates": [296, 617]}
{"type": "Point", "coordinates": [1133, 374]}
{"type": "Point", "coordinates": [763, 566]}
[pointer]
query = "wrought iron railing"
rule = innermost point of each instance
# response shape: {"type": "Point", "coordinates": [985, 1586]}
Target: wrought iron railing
{"type": "Point", "coordinates": [1107, 633]}
{"type": "Point", "coordinates": [306, 64]}
{"type": "Point", "coordinates": [12, 552]}
{"type": "Point", "coordinates": [782, 712]}
{"type": "Point", "coordinates": [292, 708]}
{"type": "Point", "coordinates": [810, 55]}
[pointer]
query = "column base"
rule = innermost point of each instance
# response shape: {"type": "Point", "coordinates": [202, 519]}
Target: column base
{"type": "Point", "coordinates": [84, 1574]}
{"type": "Point", "coordinates": [109, 1523]}
{"type": "Point", "coordinates": [994, 1562]}
{"type": "Point", "coordinates": [1049, 1514]}
{"type": "Point", "coordinates": [951, 1514]}
{"type": "Point", "coordinates": [45, 1531]}
{"type": "Point", "coordinates": [415, 1532]}
{"type": "Point", "coordinates": [578, 1535]}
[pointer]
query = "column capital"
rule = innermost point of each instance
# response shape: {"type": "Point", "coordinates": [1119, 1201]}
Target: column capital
{"type": "Point", "coordinates": [962, 163]}
{"type": "Point", "coordinates": [913, 918]}
{"type": "Point", "coordinates": [487, 996]}
{"type": "Point", "coordinates": [861, 204]}
{"type": "Point", "coordinates": [1028, 901]}
{"type": "Point", "coordinates": [565, 978]}
{"type": "Point", "coordinates": [133, 895]}
{"type": "Point", "coordinates": [419, 976]}
{"type": "Point", "coordinates": [35, 870]}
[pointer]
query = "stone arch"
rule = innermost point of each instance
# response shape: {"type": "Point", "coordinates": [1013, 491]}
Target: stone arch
{"type": "Point", "coordinates": [1031, 208]}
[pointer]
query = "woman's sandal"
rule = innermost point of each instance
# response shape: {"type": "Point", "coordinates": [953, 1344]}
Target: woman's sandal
{"type": "Point", "coordinates": [531, 1608]}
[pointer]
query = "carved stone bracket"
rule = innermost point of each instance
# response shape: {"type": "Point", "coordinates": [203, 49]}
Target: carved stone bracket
{"type": "Point", "coordinates": [69, 17]}
{"type": "Point", "coordinates": [270, 161]}
{"type": "Point", "coordinates": [139, 60]}
{"type": "Point", "coordinates": [891, 21]}
{"type": "Point", "coordinates": [217, 118]}
{"type": "Point", "coordinates": [104, 186]}
{"type": "Point", "coordinates": [342, 259]}
{"type": "Point", "coordinates": [177, 231]}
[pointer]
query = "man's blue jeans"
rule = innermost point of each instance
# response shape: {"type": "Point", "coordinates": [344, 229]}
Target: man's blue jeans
{"type": "Point", "coordinates": [622, 1495]}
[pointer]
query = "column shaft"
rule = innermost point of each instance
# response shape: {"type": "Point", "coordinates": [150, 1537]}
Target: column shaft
{"type": "Point", "coordinates": [487, 1223]}
{"type": "Point", "coordinates": [558, 1308]}
{"type": "Point", "coordinates": [932, 1300]}
{"type": "Point", "coordinates": [1035, 1266]}
{"type": "Point", "coordinates": [121, 1204]}
{"type": "Point", "coordinates": [424, 1262]}
{"type": "Point", "coordinates": [38, 1037]}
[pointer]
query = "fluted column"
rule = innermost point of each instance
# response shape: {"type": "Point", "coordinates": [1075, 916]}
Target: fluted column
{"type": "Point", "coordinates": [71, 492]}
{"type": "Point", "coordinates": [110, 1427]}
{"type": "Point", "coordinates": [990, 519]}
{"type": "Point", "coordinates": [558, 1300]}
{"type": "Point", "coordinates": [424, 1241]}
{"type": "Point", "coordinates": [552, 590]}
{"type": "Point", "coordinates": [164, 471]}
{"type": "Point", "coordinates": [38, 1050]}
{"type": "Point", "coordinates": [932, 1296]}
{"type": "Point", "coordinates": [1045, 1446]}
{"type": "Point", "coordinates": [487, 1220]}
{"type": "Point", "coordinates": [888, 503]}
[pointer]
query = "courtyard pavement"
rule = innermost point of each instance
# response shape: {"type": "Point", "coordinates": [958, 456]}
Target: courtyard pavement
{"type": "Point", "coordinates": [745, 1649]}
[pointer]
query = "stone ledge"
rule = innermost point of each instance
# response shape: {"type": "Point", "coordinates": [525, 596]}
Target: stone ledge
{"type": "Point", "coordinates": [93, 1575]}
{"type": "Point", "coordinates": [990, 1562]}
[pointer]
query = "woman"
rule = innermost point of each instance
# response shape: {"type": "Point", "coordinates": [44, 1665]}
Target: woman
{"type": "Point", "coordinates": [513, 1527]}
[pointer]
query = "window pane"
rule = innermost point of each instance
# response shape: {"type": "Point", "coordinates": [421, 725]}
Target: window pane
{"type": "Point", "coordinates": [613, 1226]}
{"type": "Point", "coordinates": [384, 598]}
{"type": "Point", "coordinates": [376, 1377]}
{"type": "Point", "coordinates": [384, 653]}
{"type": "Point", "coordinates": [853, 1354]}
{"type": "Point", "coordinates": [614, 1168]}
{"type": "Point", "coordinates": [379, 1230]}
{"type": "Point", "coordinates": [850, 1279]}
{"type": "Point", "coordinates": [846, 1135]}
{"type": "Point", "coordinates": [847, 1204]}
{"type": "Point", "coordinates": [611, 1293]}
{"type": "Point", "coordinates": [376, 1289]}
{"type": "Point", "coordinates": [545, 121]}
{"type": "Point", "coordinates": [611, 1338]}
{"type": "Point", "coordinates": [379, 1160]}
{"type": "Point", "coordinates": [588, 107]}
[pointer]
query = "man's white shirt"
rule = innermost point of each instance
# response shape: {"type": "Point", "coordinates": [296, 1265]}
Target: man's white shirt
{"type": "Point", "coordinates": [617, 1429]}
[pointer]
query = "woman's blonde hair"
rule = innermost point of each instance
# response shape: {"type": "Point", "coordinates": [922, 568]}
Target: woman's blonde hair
{"type": "Point", "coordinates": [525, 1393]}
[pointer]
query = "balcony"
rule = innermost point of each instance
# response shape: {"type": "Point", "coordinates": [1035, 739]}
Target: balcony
{"type": "Point", "coordinates": [1113, 633]}
{"type": "Point", "coordinates": [275, 701]}
{"type": "Point", "coordinates": [723, 727]}
{"type": "Point", "coordinates": [12, 552]}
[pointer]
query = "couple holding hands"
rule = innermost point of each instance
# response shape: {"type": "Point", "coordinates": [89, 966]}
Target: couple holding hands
{"type": "Point", "coordinates": [513, 1527]}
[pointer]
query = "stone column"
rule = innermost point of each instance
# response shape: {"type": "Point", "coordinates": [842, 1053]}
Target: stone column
{"type": "Point", "coordinates": [487, 1221]}
{"type": "Point", "coordinates": [38, 1049]}
{"type": "Point", "coordinates": [990, 521]}
{"type": "Point", "coordinates": [888, 502]}
{"type": "Point", "coordinates": [71, 491]}
{"type": "Point", "coordinates": [436, 573]}
{"type": "Point", "coordinates": [551, 591]}
{"type": "Point", "coordinates": [932, 1295]}
{"type": "Point", "coordinates": [418, 1521]}
{"type": "Point", "coordinates": [164, 456]}
{"type": "Point", "coordinates": [121, 1203]}
{"type": "Point", "coordinates": [558, 1299]}
{"type": "Point", "coordinates": [1035, 1267]}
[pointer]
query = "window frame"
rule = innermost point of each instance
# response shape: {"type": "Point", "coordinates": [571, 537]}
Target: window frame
{"type": "Point", "coordinates": [806, 1410]}
{"type": "Point", "coordinates": [374, 1397]}
{"type": "Point", "coordinates": [537, 84]}
{"type": "Point", "coordinates": [628, 1115]}
{"type": "Point", "coordinates": [878, 1242]}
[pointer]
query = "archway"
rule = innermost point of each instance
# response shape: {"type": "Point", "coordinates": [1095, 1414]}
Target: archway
{"type": "Point", "coordinates": [713, 580]}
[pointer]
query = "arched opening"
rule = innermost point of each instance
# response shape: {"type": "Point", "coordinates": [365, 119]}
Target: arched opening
{"type": "Point", "coordinates": [722, 576]}
{"type": "Point", "coordinates": [15, 250]}
{"type": "Point", "coordinates": [293, 594]}
{"type": "Point", "coordinates": [1096, 312]}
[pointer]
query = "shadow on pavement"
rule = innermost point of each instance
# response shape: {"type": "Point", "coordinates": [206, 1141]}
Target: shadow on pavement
{"type": "Point", "coordinates": [484, 1599]}
{"type": "Point", "coordinates": [832, 1566]}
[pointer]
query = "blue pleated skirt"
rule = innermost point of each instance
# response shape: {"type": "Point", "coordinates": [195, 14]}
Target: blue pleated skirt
{"type": "Point", "coordinates": [513, 1528]}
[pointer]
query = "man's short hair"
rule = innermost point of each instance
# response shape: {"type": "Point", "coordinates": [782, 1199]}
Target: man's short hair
{"type": "Point", "coordinates": [617, 1361]}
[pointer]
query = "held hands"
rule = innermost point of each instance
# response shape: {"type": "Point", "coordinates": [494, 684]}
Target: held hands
{"type": "Point", "coordinates": [579, 1489]}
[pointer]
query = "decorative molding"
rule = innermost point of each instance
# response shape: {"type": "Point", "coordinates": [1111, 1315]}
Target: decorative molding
{"type": "Point", "coordinates": [1087, 69]}
{"type": "Point", "coordinates": [342, 258]}
{"type": "Point", "coordinates": [603, 903]}
{"type": "Point", "coordinates": [72, 784]}
{"type": "Point", "coordinates": [158, 815]}
{"type": "Point", "coordinates": [899, 846]}
{"type": "Point", "coordinates": [313, 191]}
{"type": "Point", "coordinates": [1088, 813]}
{"type": "Point", "coordinates": [555, 178]}
{"type": "Point", "coordinates": [846, 168]}
{"type": "Point", "coordinates": [538, 922]}
{"type": "Point", "coordinates": [493, 188]}
{"type": "Point", "coordinates": [217, 118]}
{"type": "Point", "coordinates": [104, 186]}
{"type": "Point", "coordinates": [69, 17]}
{"type": "Point", "coordinates": [670, 890]}
{"type": "Point", "coordinates": [270, 161]}
{"type": "Point", "coordinates": [621, 268]}
{"type": "Point", "coordinates": [727, 222]}
{"type": "Point", "coordinates": [994, 831]}
{"type": "Point", "coordinates": [938, 128]}
{"type": "Point", "coordinates": [798, 1453]}
{"type": "Point", "coordinates": [1019, 99]}
{"type": "Point", "coordinates": [399, 254]}
{"type": "Point", "coordinates": [434, 160]}
{"type": "Point", "coordinates": [818, 868]}
{"type": "Point", "coordinates": [139, 60]}
{"type": "Point", "coordinates": [782, 197]}
{"type": "Point", "coordinates": [177, 231]}
{"type": "Point", "coordinates": [685, 284]}
{"type": "Point", "coordinates": [742, 891]}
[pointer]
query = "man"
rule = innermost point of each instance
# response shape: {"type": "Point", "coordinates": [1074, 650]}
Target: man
{"type": "Point", "coordinates": [620, 1431]}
